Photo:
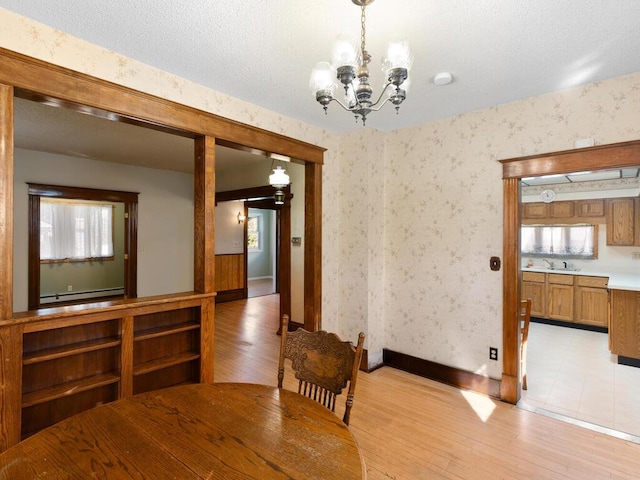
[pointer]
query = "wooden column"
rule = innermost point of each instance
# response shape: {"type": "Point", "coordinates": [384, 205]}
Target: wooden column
{"type": "Point", "coordinates": [207, 327]}
{"type": "Point", "coordinates": [10, 336]}
{"type": "Point", "coordinates": [313, 247]}
{"type": "Point", "coordinates": [510, 385]}
{"type": "Point", "coordinates": [204, 196]}
{"type": "Point", "coordinates": [6, 202]}
{"type": "Point", "coordinates": [285, 260]}
{"type": "Point", "coordinates": [126, 357]}
{"type": "Point", "coordinates": [10, 385]}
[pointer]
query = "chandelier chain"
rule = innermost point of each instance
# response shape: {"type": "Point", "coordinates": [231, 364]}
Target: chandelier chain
{"type": "Point", "coordinates": [363, 31]}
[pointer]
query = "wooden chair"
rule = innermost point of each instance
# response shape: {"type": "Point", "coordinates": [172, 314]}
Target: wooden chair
{"type": "Point", "coordinates": [525, 317]}
{"type": "Point", "coordinates": [323, 364]}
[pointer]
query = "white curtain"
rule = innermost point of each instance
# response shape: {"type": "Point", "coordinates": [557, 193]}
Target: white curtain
{"type": "Point", "coordinates": [575, 241]}
{"type": "Point", "coordinates": [76, 231]}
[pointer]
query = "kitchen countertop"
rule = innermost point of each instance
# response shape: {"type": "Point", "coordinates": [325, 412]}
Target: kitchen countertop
{"type": "Point", "coordinates": [617, 281]}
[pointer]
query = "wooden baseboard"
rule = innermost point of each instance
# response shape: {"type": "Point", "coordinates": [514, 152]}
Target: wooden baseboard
{"type": "Point", "coordinates": [230, 295]}
{"type": "Point", "coordinates": [442, 373]}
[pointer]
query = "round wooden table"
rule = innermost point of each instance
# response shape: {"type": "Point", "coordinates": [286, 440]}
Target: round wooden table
{"type": "Point", "coordinates": [219, 431]}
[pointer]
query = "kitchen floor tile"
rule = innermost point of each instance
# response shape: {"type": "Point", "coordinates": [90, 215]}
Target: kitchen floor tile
{"type": "Point", "coordinates": [572, 373]}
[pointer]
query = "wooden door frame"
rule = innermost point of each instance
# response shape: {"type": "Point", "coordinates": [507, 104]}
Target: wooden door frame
{"type": "Point", "coordinates": [41, 81]}
{"type": "Point", "coordinates": [602, 157]}
{"type": "Point", "coordinates": [263, 196]}
{"type": "Point", "coordinates": [130, 233]}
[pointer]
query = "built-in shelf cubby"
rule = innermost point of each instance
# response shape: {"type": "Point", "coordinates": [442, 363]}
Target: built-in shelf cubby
{"type": "Point", "coordinates": [166, 349]}
{"type": "Point", "coordinates": [73, 359]}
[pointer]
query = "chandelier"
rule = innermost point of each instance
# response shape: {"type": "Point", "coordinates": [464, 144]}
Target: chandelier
{"type": "Point", "coordinates": [350, 65]}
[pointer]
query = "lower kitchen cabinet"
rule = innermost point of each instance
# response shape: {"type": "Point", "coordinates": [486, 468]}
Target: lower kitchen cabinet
{"type": "Point", "coordinates": [534, 286]}
{"type": "Point", "coordinates": [560, 297]}
{"type": "Point", "coordinates": [624, 335]}
{"type": "Point", "coordinates": [577, 299]}
{"type": "Point", "coordinates": [592, 301]}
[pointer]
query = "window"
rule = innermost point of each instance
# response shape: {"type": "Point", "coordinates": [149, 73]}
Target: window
{"type": "Point", "coordinates": [560, 241]}
{"type": "Point", "coordinates": [124, 240]}
{"type": "Point", "coordinates": [254, 233]}
{"type": "Point", "coordinates": [73, 230]}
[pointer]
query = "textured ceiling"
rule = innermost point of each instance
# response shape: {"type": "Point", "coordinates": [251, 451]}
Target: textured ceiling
{"type": "Point", "coordinates": [263, 51]}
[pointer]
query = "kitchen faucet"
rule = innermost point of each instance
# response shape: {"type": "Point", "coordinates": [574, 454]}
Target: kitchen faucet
{"type": "Point", "coordinates": [550, 263]}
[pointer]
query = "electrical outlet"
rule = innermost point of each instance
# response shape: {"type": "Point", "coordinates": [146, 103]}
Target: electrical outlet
{"type": "Point", "coordinates": [635, 255]}
{"type": "Point", "coordinates": [493, 353]}
{"type": "Point", "coordinates": [69, 288]}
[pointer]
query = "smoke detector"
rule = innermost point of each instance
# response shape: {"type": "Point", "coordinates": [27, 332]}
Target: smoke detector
{"type": "Point", "coordinates": [443, 78]}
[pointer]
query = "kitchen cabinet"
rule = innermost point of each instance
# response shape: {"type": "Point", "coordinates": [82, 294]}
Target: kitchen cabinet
{"type": "Point", "coordinates": [590, 208]}
{"type": "Point", "coordinates": [624, 333]}
{"type": "Point", "coordinates": [560, 297]}
{"type": "Point", "coordinates": [535, 210]}
{"type": "Point", "coordinates": [566, 211]}
{"type": "Point", "coordinates": [534, 286]}
{"type": "Point", "coordinates": [561, 209]}
{"type": "Point", "coordinates": [592, 301]}
{"type": "Point", "coordinates": [621, 222]}
{"type": "Point", "coordinates": [580, 299]}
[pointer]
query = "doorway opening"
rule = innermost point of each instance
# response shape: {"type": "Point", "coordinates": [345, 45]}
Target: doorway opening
{"type": "Point", "coordinates": [557, 356]}
{"type": "Point", "coordinates": [574, 373]}
{"type": "Point", "coordinates": [262, 252]}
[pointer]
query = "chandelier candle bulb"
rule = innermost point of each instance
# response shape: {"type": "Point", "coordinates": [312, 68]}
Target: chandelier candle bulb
{"type": "Point", "coordinates": [345, 52]}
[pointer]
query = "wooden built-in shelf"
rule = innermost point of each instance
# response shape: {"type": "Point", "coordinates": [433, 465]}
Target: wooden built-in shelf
{"type": "Point", "coordinates": [65, 360]}
{"type": "Point", "coordinates": [68, 388]}
{"type": "Point", "coordinates": [164, 362]}
{"type": "Point", "coordinates": [68, 350]}
{"type": "Point", "coordinates": [165, 330]}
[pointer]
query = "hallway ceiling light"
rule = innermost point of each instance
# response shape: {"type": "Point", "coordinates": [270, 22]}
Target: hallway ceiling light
{"type": "Point", "coordinates": [279, 179]}
{"type": "Point", "coordinates": [350, 66]}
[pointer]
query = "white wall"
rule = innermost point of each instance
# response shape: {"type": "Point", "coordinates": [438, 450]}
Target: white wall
{"type": "Point", "coordinates": [229, 233]}
{"type": "Point", "coordinates": [296, 175]}
{"type": "Point", "coordinates": [165, 216]}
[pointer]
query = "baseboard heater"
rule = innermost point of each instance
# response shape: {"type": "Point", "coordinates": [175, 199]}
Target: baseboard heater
{"type": "Point", "coordinates": [72, 296]}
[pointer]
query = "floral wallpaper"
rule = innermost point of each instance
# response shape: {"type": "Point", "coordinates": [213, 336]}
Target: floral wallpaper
{"type": "Point", "coordinates": [410, 217]}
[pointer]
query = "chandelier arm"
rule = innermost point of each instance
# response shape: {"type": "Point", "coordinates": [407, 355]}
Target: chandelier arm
{"type": "Point", "coordinates": [375, 108]}
{"type": "Point", "coordinates": [380, 98]}
{"type": "Point", "coordinates": [348, 109]}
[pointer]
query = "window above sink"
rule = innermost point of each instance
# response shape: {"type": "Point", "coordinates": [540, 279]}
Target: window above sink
{"type": "Point", "coordinates": [559, 241]}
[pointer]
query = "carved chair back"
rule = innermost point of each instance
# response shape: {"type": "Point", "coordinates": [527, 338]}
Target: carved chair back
{"type": "Point", "coordinates": [323, 365]}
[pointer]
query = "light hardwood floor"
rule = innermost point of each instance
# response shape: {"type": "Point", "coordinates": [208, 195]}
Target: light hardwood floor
{"type": "Point", "coordinates": [410, 427]}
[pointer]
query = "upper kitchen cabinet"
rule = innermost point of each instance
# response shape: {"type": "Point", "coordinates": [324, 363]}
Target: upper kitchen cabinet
{"type": "Point", "coordinates": [537, 210]}
{"type": "Point", "coordinates": [568, 211]}
{"type": "Point", "coordinates": [590, 208]}
{"type": "Point", "coordinates": [622, 221]}
{"type": "Point", "coordinates": [561, 209]}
